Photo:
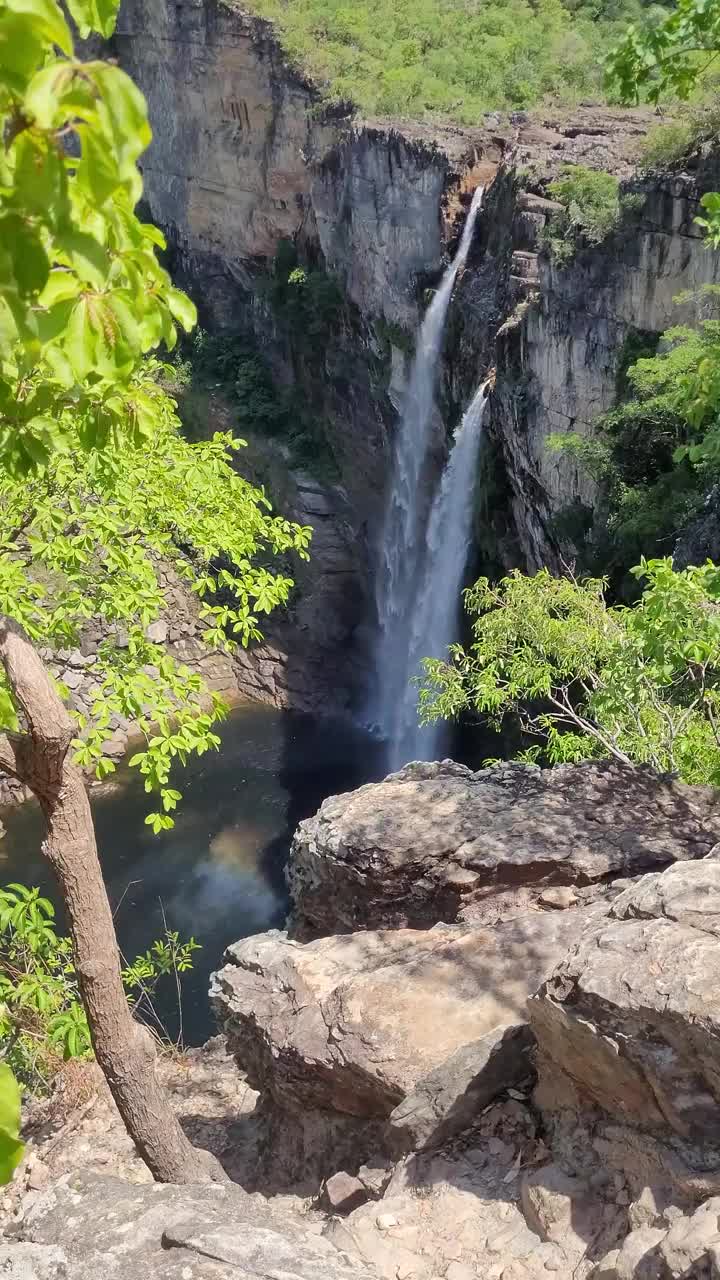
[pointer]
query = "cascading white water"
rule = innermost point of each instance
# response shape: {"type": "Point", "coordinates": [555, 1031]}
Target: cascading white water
{"type": "Point", "coordinates": [403, 544]}
{"type": "Point", "coordinates": [437, 611]}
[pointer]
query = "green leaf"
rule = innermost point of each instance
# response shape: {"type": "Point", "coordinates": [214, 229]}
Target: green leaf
{"type": "Point", "coordinates": [94, 15]}
{"type": "Point", "coordinates": [182, 309]}
{"type": "Point", "coordinates": [97, 171]}
{"type": "Point", "coordinates": [21, 49]}
{"type": "Point", "coordinates": [11, 1148]}
{"type": "Point", "coordinates": [40, 179]}
{"type": "Point", "coordinates": [48, 20]}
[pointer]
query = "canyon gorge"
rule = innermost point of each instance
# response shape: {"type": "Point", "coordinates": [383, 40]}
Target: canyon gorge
{"type": "Point", "coordinates": [246, 156]}
{"type": "Point", "coordinates": [463, 1020]}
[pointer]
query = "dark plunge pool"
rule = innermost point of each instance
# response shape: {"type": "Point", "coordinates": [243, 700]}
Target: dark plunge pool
{"type": "Point", "coordinates": [219, 874]}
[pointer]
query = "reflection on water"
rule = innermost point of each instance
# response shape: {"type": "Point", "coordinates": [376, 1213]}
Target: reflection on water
{"type": "Point", "coordinates": [219, 874]}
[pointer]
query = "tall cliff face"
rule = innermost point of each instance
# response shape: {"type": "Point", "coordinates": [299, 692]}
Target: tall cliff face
{"type": "Point", "coordinates": [246, 157]}
{"type": "Point", "coordinates": [560, 354]}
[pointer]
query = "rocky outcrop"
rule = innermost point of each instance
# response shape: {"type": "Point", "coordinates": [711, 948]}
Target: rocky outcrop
{"type": "Point", "coordinates": [439, 842]}
{"type": "Point", "coordinates": [700, 541]}
{"type": "Point", "coordinates": [399, 1038]}
{"type": "Point", "coordinates": [627, 1029]}
{"type": "Point", "coordinates": [394, 1079]}
{"type": "Point", "coordinates": [109, 1227]}
{"type": "Point", "coordinates": [689, 1249]}
{"type": "Point", "coordinates": [565, 332]}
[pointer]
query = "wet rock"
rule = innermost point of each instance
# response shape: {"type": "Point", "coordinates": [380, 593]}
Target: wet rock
{"type": "Point", "coordinates": [437, 841]}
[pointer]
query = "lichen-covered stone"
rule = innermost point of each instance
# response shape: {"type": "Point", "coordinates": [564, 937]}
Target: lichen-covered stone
{"type": "Point", "coordinates": [113, 1229]}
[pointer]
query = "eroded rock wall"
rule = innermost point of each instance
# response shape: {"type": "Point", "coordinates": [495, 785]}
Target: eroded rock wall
{"type": "Point", "coordinates": [559, 357]}
{"type": "Point", "coordinates": [246, 155]}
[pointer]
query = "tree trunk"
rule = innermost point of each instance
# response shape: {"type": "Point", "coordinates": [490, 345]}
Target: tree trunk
{"type": "Point", "coordinates": [39, 757]}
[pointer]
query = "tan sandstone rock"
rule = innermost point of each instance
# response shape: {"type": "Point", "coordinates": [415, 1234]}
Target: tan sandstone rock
{"type": "Point", "coordinates": [406, 1031]}
{"type": "Point", "coordinates": [628, 1027]}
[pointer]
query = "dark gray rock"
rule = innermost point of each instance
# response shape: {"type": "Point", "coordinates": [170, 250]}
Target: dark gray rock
{"type": "Point", "coordinates": [700, 541]}
{"type": "Point", "coordinates": [437, 842]}
{"type": "Point", "coordinates": [449, 1099]}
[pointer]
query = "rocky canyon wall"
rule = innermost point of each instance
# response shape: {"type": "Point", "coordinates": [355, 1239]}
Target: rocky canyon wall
{"type": "Point", "coordinates": [247, 157]}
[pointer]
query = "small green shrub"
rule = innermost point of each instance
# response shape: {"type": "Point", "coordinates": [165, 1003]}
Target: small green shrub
{"type": "Point", "coordinates": [675, 140]}
{"type": "Point", "coordinates": [395, 335]}
{"type": "Point", "coordinates": [307, 301]}
{"type": "Point", "coordinates": [232, 363]}
{"type": "Point", "coordinates": [666, 144]}
{"type": "Point", "coordinates": [42, 1020]}
{"type": "Point", "coordinates": [593, 209]}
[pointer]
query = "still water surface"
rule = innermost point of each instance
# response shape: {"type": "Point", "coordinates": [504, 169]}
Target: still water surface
{"type": "Point", "coordinates": [219, 874]}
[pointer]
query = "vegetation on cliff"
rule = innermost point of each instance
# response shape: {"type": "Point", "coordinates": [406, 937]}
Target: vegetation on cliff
{"type": "Point", "coordinates": [656, 455]}
{"type": "Point", "coordinates": [593, 208]}
{"type": "Point", "coordinates": [454, 59]}
{"type": "Point", "coordinates": [586, 679]}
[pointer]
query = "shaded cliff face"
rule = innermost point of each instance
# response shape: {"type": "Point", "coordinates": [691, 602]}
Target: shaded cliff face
{"type": "Point", "coordinates": [246, 158]}
{"type": "Point", "coordinates": [245, 154]}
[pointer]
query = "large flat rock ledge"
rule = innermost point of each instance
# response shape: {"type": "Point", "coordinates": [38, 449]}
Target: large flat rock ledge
{"type": "Point", "coordinates": [437, 842]}
{"type": "Point", "coordinates": [398, 1037]}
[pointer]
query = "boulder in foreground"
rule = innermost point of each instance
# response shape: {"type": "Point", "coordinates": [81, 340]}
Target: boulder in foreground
{"type": "Point", "coordinates": [400, 1036]}
{"type": "Point", "coordinates": [111, 1228]}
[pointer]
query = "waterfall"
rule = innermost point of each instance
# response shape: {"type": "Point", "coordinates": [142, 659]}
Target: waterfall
{"type": "Point", "coordinates": [403, 544]}
{"type": "Point", "coordinates": [437, 611]}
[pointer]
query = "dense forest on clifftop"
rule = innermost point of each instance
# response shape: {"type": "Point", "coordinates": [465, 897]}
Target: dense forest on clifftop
{"type": "Point", "coordinates": [455, 58]}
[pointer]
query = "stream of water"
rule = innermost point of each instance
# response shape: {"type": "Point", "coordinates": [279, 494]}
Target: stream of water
{"type": "Point", "coordinates": [436, 619]}
{"type": "Point", "coordinates": [402, 564]}
{"type": "Point", "coordinates": [218, 875]}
